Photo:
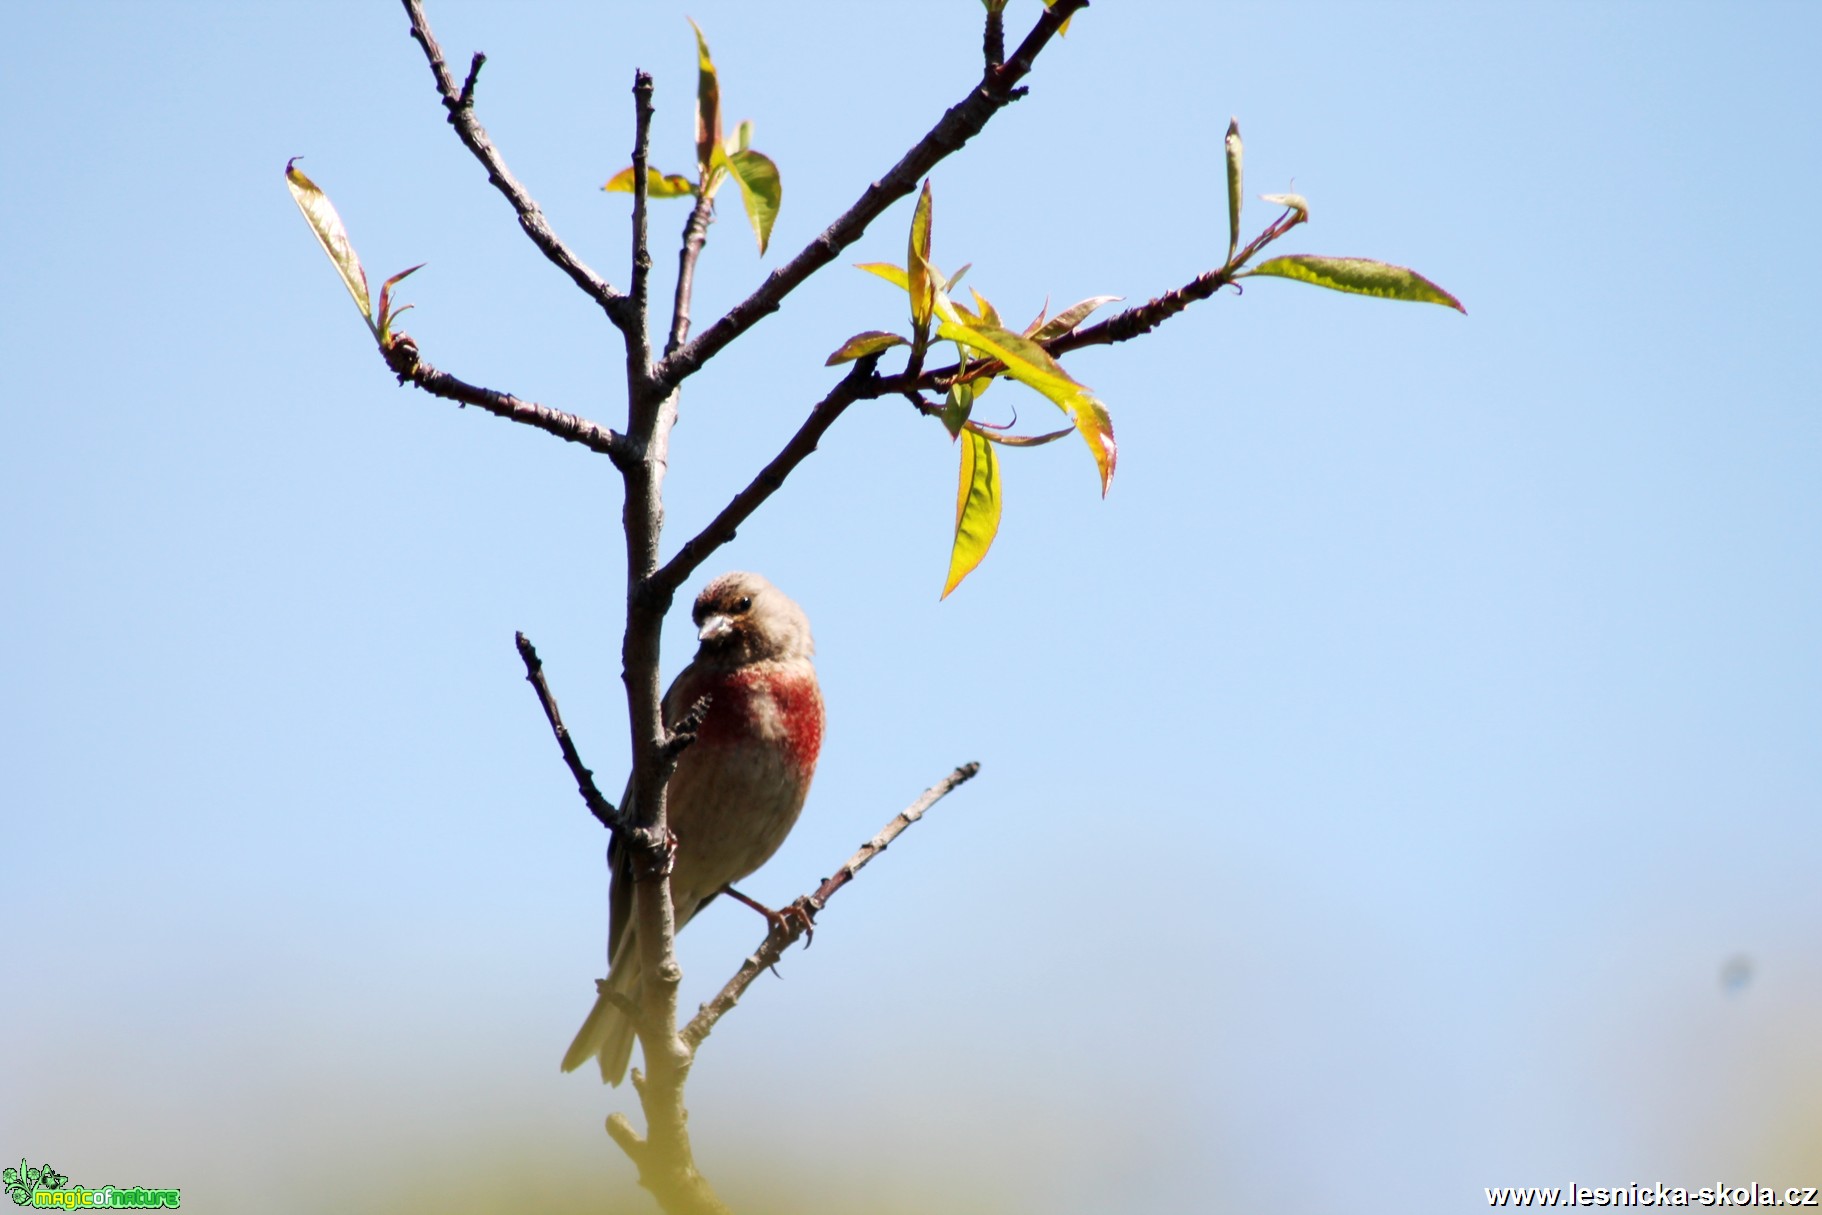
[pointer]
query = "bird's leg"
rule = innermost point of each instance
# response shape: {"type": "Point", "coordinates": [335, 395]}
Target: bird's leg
{"type": "Point", "coordinates": [780, 921]}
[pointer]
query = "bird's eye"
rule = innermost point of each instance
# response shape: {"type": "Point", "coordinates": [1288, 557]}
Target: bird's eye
{"type": "Point", "coordinates": [746, 601]}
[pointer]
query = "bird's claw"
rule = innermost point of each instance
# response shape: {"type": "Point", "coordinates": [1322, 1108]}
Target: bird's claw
{"type": "Point", "coordinates": [802, 912]}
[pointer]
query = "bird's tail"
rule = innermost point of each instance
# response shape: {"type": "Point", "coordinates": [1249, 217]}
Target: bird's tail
{"type": "Point", "coordinates": [607, 1035]}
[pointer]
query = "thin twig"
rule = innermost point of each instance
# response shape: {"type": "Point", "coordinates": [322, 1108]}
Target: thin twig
{"type": "Point", "coordinates": [639, 338]}
{"type": "Point", "coordinates": [790, 927]}
{"type": "Point", "coordinates": [402, 357]}
{"type": "Point", "coordinates": [695, 234]}
{"type": "Point", "coordinates": [1122, 326]}
{"type": "Point", "coordinates": [599, 806]}
{"type": "Point", "coordinates": [964, 120]}
{"type": "Point", "coordinates": [459, 101]}
{"type": "Point", "coordinates": [1143, 318]}
{"type": "Point", "coordinates": [856, 385]}
{"type": "Point", "coordinates": [993, 38]}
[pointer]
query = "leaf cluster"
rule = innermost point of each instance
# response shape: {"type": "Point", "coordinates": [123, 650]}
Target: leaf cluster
{"type": "Point", "coordinates": [717, 159]}
{"type": "Point", "coordinates": [986, 349]}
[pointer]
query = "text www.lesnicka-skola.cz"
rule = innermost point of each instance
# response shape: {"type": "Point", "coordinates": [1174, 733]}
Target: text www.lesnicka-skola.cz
{"type": "Point", "coordinates": [1659, 1195]}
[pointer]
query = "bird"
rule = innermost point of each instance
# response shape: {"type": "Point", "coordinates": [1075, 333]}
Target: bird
{"type": "Point", "coordinates": [737, 789]}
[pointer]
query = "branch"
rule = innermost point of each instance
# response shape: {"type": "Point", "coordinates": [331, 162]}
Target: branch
{"type": "Point", "coordinates": [695, 234]}
{"type": "Point", "coordinates": [1143, 318]}
{"type": "Point", "coordinates": [459, 101]}
{"type": "Point", "coordinates": [859, 384]}
{"type": "Point", "coordinates": [791, 927]}
{"type": "Point", "coordinates": [1121, 327]}
{"type": "Point", "coordinates": [599, 806]}
{"type": "Point", "coordinates": [402, 357]}
{"type": "Point", "coordinates": [639, 336]}
{"type": "Point", "coordinates": [993, 38]}
{"type": "Point", "coordinates": [964, 120]}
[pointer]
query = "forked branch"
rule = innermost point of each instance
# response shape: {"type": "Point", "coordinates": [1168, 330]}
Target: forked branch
{"type": "Point", "coordinates": [459, 101]}
{"type": "Point", "coordinates": [999, 87]}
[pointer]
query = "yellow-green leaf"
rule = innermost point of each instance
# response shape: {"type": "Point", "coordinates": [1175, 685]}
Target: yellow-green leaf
{"type": "Point", "coordinates": [917, 261]}
{"type": "Point", "coordinates": [657, 185]}
{"type": "Point", "coordinates": [1029, 363]}
{"type": "Point", "coordinates": [862, 344]}
{"type": "Point", "coordinates": [977, 508]}
{"type": "Point", "coordinates": [1291, 202]}
{"type": "Point", "coordinates": [708, 105]}
{"type": "Point", "coordinates": [1236, 175]}
{"type": "Point", "coordinates": [1066, 320]}
{"type": "Point", "coordinates": [331, 235]}
{"type": "Point", "coordinates": [896, 276]}
{"type": "Point", "coordinates": [742, 138]}
{"type": "Point", "coordinates": [1359, 276]}
{"type": "Point", "coordinates": [886, 270]}
{"type": "Point", "coordinates": [760, 189]}
{"type": "Point", "coordinates": [988, 312]}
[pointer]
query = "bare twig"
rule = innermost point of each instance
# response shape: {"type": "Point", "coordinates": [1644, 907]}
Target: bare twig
{"type": "Point", "coordinates": [857, 385]}
{"type": "Point", "coordinates": [639, 335]}
{"type": "Point", "coordinates": [402, 357]}
{"type": "Point", "coordinates": [459, 101]}
{"type": "Point", "coordinates": [993, 38]}
{"type": "Point", "coordinates": [788, 928]}
{"type": "Point", "coordinates": [599, 806]}
{"type": "Point", "coordinates": [466, 100]}
{"type": "Point", "coordinates": [695, 233]}
{"type": "Point", "coordinates": [964, 120]}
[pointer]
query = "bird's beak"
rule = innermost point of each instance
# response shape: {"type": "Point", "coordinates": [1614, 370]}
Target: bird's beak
{"type": "Point", "coordinates": [715, 628]}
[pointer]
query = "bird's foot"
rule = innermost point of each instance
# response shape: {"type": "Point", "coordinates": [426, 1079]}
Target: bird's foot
{"type": "Point", "coordinates": [800, 913]}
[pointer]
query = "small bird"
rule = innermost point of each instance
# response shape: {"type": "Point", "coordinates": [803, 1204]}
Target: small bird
{"type": "Point", "coordinates": [737, 789]}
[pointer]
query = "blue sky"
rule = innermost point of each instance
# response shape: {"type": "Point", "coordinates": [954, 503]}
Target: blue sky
{"type": "Point", "coordinates": [1376, 784]}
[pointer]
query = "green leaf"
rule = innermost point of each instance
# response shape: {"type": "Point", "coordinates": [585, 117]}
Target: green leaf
{"type": "Point", "coordinates": [760, 189]}
{"type": "Point", "coordinates": [1029, 363]}
{"type": "Point", "coordinates": [708, 106]}
{"type": "Point", "coordinates": [977, 508]}
{"type": "Point", "coordinates": [1066, 320]}
{"type": "Point", "coordinates": [862, 344]}
{"type": "Point", "coordinates": [1358, 276]}
{"type": "Point", "coordinates": [331, 235]}
{"type": "Point", "coordinates": [958, 405]}
{"type": "Point", "coordinates": [917, 261]}
{"type": "Point", "coordinates": [742, 139]}
{"type": "Point", "coordinates": [657, 185]}
{"type": "Point", "coordinates": [1236, 175]}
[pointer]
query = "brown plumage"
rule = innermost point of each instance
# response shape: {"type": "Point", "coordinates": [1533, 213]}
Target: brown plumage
{"type": "Point", "coordinates": [737, 789]}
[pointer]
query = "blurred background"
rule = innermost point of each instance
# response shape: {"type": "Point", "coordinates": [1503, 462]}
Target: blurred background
{"type": "Point", "coordinates": [1405, 782]}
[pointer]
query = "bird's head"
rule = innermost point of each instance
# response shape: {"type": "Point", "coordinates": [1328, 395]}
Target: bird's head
{"type": "Point", "coordinates": [742, 618]}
